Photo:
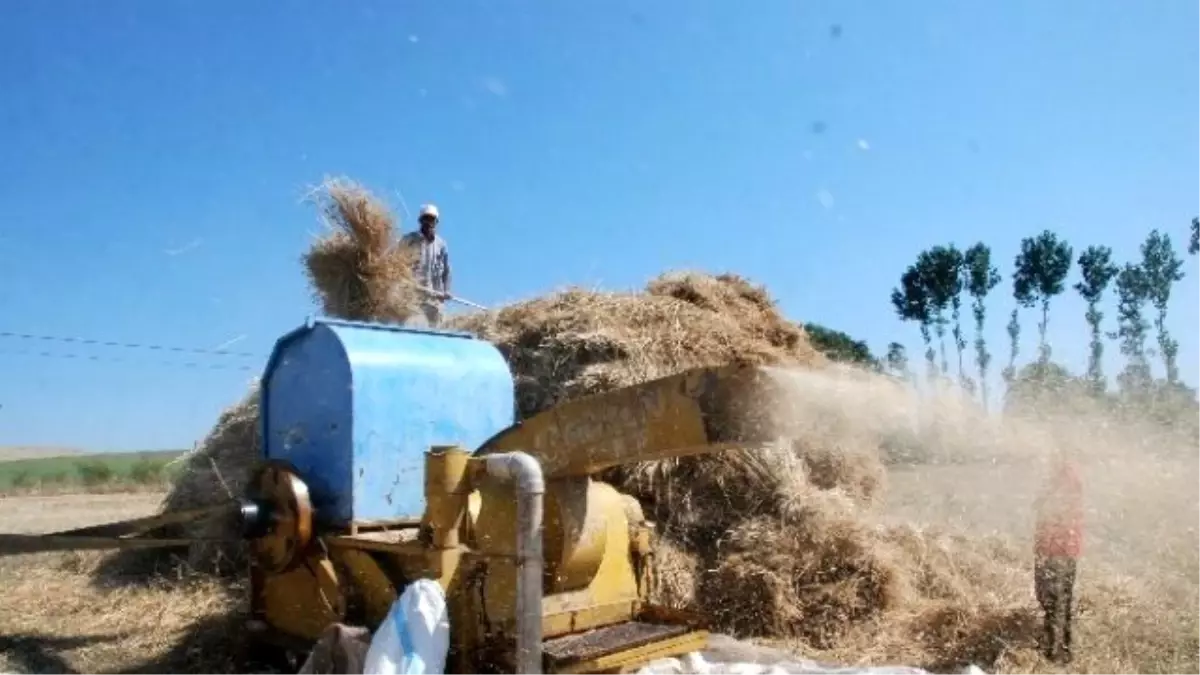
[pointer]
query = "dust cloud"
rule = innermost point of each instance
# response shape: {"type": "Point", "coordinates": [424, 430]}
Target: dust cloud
{"type": "Point", "coordinates": [951, 463]}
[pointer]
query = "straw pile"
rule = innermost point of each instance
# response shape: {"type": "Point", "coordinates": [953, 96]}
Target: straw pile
{"type": "Point", "coordinates": [579, 342]}
{"type": "Point", "coordinates": [778, 532]}
{"type": "Point", "coordinates": [782, 542]}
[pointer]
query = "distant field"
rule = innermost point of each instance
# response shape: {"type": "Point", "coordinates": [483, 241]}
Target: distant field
{"type": "Point", "coordinates": [9, 452]}
{"type": "Point", "coordinates": [87, 472]}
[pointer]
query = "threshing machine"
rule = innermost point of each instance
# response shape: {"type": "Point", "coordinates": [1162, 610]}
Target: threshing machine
{"type": "Point", "coordinates": [390, 454]}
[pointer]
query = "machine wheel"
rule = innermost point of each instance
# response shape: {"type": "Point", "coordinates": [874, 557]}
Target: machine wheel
{"type": "Point", "coordinates": [289, 517]}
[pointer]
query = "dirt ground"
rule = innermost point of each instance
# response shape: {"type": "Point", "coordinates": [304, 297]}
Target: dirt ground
{"type": "Point", "coordinates": [31, 514]}
{"type": "Point", "coordinates": [54, 619]}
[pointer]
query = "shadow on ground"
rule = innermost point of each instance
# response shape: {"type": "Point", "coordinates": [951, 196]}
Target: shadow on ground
{"type": "Point", "coordinates": [210, 646]}
{"type": "Point", "coordinates": [44, 653]}
{"type": "Point", "coordinates": [135, 568]}
{"type": "Point", "coordinates": [984, 642]}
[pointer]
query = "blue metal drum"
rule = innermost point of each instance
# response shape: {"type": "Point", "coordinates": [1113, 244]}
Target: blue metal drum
{"type": "Point", "coordinates": [355, 406]}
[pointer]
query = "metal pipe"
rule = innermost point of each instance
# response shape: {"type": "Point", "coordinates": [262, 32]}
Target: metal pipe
{"type": "Point", "coordinates": [526, 474]}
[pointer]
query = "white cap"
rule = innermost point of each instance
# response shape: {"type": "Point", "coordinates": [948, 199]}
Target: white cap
{"type": "Point", "coordinates": [429, 210]}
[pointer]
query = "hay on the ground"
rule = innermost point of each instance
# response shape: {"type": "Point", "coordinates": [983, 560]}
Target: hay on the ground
{"type": "Point", "coordinates": [814, 571]}
{"type": "Point", "coordinates": [55, 619]}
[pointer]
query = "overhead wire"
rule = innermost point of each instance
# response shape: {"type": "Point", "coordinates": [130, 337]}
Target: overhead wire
{"type": "Point", "coordinates": [144, 346]}
{"type": "Point", "coordinates": [113, 359]}
{"type": "Point", "coordinates": [125, 345]}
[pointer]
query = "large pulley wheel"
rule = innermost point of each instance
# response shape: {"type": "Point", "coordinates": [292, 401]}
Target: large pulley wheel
{"type": "Point", "coordinates": [288, 513]}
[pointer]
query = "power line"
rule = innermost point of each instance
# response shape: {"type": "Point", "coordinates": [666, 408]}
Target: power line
{"type": "Point", "coordinates": [125, 345]}
{"type": "Point", "coordinates": [112, 359]}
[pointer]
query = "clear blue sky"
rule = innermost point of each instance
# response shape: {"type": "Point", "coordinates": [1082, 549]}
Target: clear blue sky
{"type": "Point", "coordinates": [155, 154]}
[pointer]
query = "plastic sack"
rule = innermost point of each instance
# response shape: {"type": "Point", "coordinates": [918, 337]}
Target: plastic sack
{"type": "Point", "coordinates": [694, 664]}
{"type": "Point", "coordinates": [340, 649]}
{"type": "Point", "coordinates": [415, 636]}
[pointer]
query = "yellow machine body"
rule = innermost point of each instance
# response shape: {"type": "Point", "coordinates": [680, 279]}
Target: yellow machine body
{"type": "Point", "coordinates": [597, 546]}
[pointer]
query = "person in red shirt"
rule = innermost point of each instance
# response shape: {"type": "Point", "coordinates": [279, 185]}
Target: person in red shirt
{"type": "Point", "coordinates": [1058, 543]}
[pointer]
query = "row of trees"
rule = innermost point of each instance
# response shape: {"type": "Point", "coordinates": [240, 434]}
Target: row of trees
{"type": "Point", "coordinates": [839, 346]}
{"type": "Point", "coordinates": [934, 289]}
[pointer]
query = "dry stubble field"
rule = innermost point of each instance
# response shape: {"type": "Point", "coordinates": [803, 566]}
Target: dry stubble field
{"type": "Point", "coordinates": [54, 620]}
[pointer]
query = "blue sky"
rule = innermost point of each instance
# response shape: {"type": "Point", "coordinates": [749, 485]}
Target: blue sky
{"type": "Point", "coordinates": [155, 156]}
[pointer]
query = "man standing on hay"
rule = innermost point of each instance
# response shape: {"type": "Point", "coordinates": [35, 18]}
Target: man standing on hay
{"type": "Point", "coordinates": [1057, 546]}
{"type": "Point", "coordinates": [431, 264]}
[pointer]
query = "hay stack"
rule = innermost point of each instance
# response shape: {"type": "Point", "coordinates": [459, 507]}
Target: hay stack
{"type": "Point", "coordinates": [578, 342]}
{"type": "Point", "coordinates": [675, 574]}
{"type": "Point", "coordinates": [826, 573]}
{"type": "Point", "coordinates": [772, 542]}
{"type": "Point", "coordinates": [764, 542]}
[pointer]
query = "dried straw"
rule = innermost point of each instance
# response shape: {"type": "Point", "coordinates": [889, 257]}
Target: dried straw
{"type": "Point", "coordinates": [359, 270]}
{"type": "Point", "coordinates": [53, 620]}
{"type": "Point", "coordinates": [675, 575]}
{"type": "Point", "coordinates": [578, 342]}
